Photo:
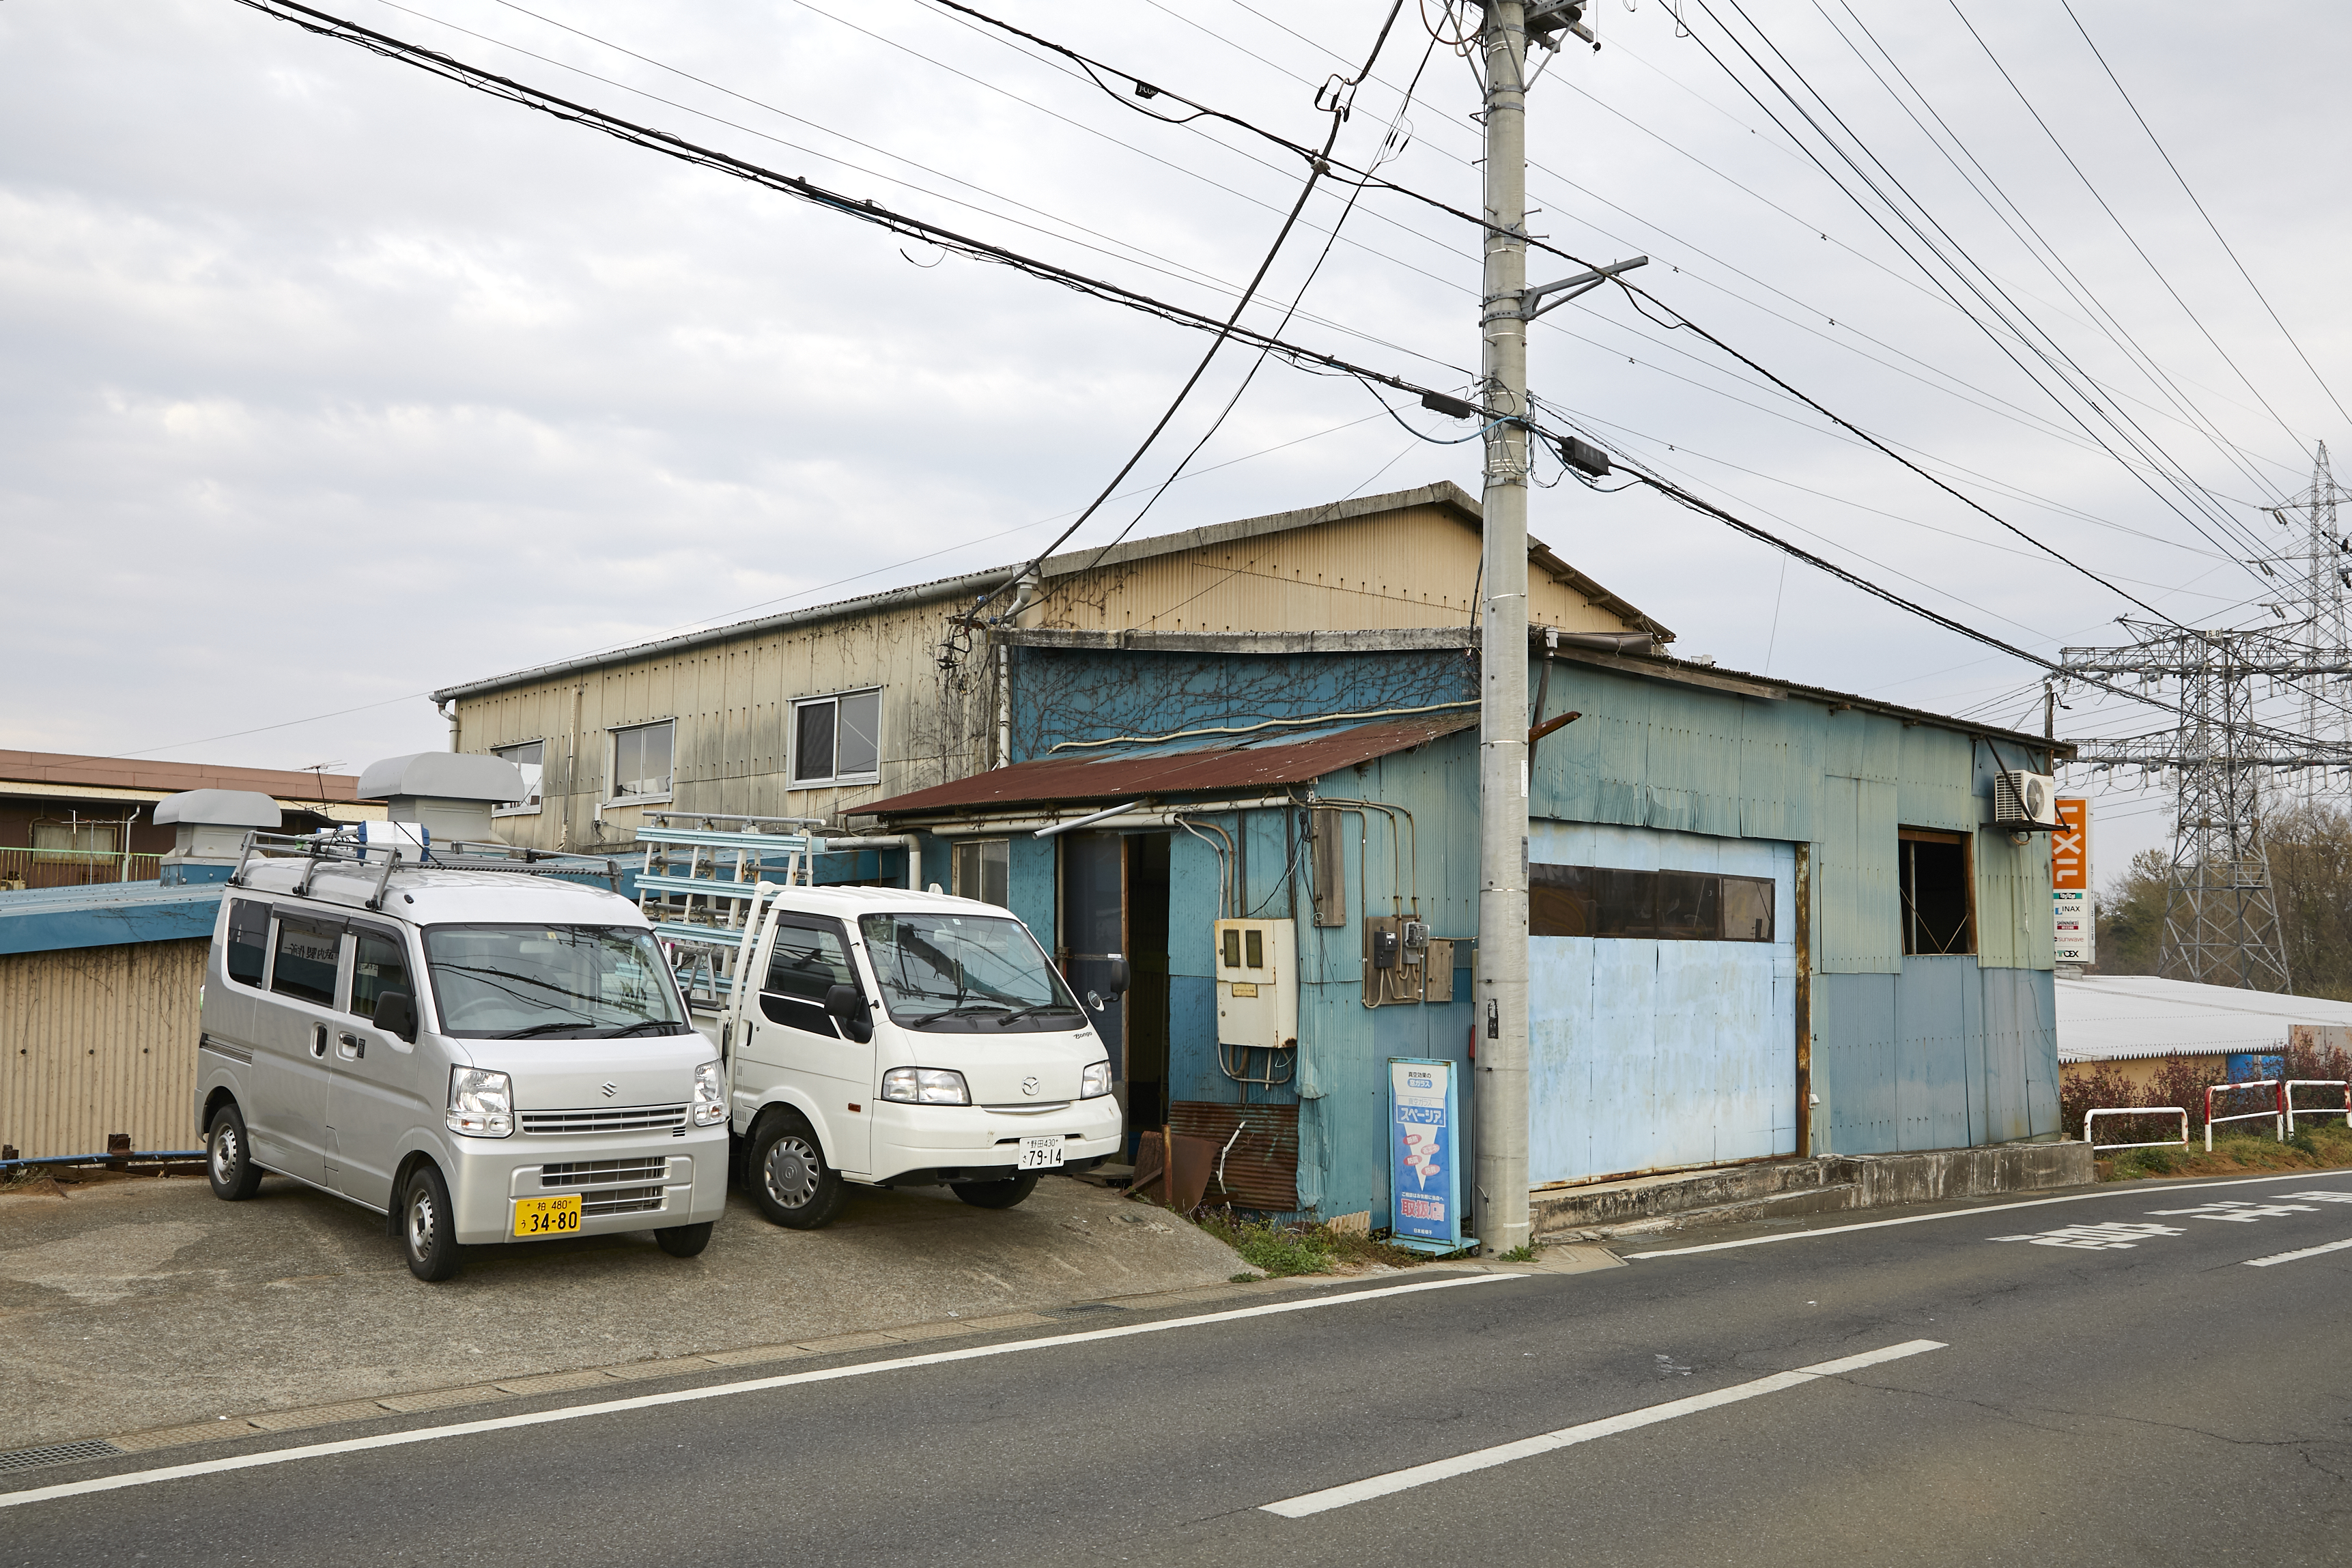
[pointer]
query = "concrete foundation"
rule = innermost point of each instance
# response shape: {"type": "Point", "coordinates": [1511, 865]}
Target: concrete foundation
{"type": "Point", "coordinates": [1808, 1186]}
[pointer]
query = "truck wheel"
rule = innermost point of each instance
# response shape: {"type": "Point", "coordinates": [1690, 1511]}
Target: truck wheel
{"type": "Point", "coordinates": [684, 1240]}
{"type": "Point", "coordinates": [228, 1156]}
{"type": "Point", "coordinates": [790, 1180]}
{"type": "Point", "coordinates": [997, 1193]}
{"type": "Point", "coordinates": [429, 1226]}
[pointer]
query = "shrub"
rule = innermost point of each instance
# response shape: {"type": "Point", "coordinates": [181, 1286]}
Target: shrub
{"type": "Point", "coordinates": [2102, 1088]}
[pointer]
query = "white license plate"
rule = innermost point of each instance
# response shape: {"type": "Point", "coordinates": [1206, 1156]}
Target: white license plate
{"type": "Point", "coordinates": [1041, 1153]}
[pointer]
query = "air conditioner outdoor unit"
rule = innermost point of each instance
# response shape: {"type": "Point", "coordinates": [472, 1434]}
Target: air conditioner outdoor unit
{"type": "Point", "coordinates": [2025, 797]}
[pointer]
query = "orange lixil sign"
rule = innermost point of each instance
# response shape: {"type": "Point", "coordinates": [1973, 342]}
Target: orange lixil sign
{"type": "Point", "coordinates": [2070, 846]}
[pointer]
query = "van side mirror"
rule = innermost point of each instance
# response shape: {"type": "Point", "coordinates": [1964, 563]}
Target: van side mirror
{"type": "Point", "coordinates": [395, 1014]}
{"type": "Point", "coordinates": [844, 1007]}
{"type": "Point", "coordinates": [1115, 976]}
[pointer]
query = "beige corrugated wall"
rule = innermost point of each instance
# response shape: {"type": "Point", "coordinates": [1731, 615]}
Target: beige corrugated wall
{"type": "Point", "coordinates": [95, 1041]}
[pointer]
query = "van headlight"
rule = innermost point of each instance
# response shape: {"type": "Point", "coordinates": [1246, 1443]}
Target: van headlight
{"type": "Point", "coordinates": [481, 1104]}
{"type": "Point", "coordinates": [1094, 1082]}
{"type": "Point", "coordinates": [709, 1095]}
{"type": "Point", "coordinates": [925, 1085]}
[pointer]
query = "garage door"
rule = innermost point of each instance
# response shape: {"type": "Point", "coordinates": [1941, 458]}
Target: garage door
{"type": "Point", "coordinates": [1661, 1004]}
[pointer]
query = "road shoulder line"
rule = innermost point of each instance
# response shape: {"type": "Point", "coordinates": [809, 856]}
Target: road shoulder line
{"type": "Point", "coordinates": [2135, 1189]}
{"type": "Point", "coordinates": [719, 1391]}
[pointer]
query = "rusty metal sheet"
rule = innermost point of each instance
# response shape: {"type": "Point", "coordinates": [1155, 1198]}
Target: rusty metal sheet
{"type": "Point", "coordinates": [1225, 766]}
{"type": "Point", "coordinates": [1262, 1167]}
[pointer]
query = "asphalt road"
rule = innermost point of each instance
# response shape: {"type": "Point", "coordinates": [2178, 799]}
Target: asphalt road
{"type": "Point", "coordinates": [2125, 1388]}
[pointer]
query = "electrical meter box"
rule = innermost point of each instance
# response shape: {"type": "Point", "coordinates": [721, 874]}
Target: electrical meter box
{"type": "Point", "coordinates": [1257, 984]}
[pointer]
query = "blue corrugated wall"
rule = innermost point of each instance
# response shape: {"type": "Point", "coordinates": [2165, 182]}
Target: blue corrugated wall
{"type": "Point", "coordinates": [1909, 1052]}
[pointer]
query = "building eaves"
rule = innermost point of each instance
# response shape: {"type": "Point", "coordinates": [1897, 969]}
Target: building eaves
{"type": "Point", "coordinates": [1444, 495]}
{"type": "Point", "coordinates": [1213, 769]}
{"type": "Point", "coordinates": [61, 773]}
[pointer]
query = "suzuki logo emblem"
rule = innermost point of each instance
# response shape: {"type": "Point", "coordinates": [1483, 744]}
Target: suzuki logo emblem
{"type": "Point", "coordinates": [1028, 1086]}
{"type": "Point", "coordinates": [610, 1089]}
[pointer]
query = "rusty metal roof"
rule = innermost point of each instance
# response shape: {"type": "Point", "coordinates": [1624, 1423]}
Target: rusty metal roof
{"type": "Point", "coordinates": [1222, 769]}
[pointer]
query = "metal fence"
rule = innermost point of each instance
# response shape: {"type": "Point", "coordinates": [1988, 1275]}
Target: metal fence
{"type": "Point", "coordinates": [74, 868]}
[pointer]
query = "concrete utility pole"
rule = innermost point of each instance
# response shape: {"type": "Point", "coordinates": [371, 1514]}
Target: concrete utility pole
{"type": "Point", "coordinates": [1500, 1079]}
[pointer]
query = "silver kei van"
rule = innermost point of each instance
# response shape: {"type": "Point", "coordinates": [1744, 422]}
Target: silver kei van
{"type": "Point", "coordinates": [480, 1056]}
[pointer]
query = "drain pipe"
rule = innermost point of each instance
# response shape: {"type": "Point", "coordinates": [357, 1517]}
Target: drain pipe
{"type": "Point", "coordinates": [1012, 616]}
{"type": "Point", "coordinates": [443, 709]}
{"type": "Point", "coordinates": [907, 841]}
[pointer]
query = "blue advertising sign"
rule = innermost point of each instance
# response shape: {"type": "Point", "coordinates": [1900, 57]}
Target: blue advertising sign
{"type": "Point", "coordinates": [1424, 1175]}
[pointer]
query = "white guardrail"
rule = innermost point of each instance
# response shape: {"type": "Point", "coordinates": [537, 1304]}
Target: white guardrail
{"type": "Point", "coordinates": [2277, 1112]}
{"type": "Point", "coordinates": [2286, 1093]}
{"type": "Point", "coordinates": [2091, 1116]}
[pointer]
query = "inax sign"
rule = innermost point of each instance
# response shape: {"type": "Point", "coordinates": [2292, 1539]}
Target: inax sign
{"type": "Point", "coordinates": [2070, 883]}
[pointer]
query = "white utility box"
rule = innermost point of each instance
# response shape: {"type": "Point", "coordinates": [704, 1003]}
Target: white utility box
{"type": "Point", "coordinates": [1257, 984]}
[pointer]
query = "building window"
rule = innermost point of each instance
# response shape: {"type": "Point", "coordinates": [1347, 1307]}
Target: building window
{"type": "Point", "coordinates": [1659, 906]}
{"type": "Point", "coordinates": [1938, 917]}
{"type": "Point", "coordinates": [641, 762]}
{"type": "Point", "coordinates": [529, 757]}
{"type": "Point", "coordinates": [837, 740]}
{"type": "Point", "coordinates": [983, 871]}
{"type": "Point", "coordinates": [73, 841]}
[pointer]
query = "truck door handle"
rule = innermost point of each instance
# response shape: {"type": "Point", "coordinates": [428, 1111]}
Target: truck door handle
{"type": "Point", "coordinates": [353, 1045]}
{"type": "Point", "coordinates": [319, 1041]}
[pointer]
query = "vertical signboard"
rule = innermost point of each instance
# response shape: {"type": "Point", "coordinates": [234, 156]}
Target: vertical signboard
{"type": "Point", "coordinates": [2070, 883]}
{"type": "Point", "coordinates": [1425, 1171]}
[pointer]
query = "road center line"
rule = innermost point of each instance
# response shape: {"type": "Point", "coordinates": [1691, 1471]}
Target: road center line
{"type": "Point", "coordinates": [1567, 1436]}
{"type": "Point", "coordinates": [2291, 1257]}
{"type": "Point", "coordinates": [721, 1391]}
{"type": "Point", "coordinates": [2134, 1190]}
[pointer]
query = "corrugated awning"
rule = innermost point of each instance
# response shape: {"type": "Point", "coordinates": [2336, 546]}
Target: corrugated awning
{"type": "Point", "coordinates": [1225, 767]}
{"type": "Point", "coordinates": [2123, 1018]}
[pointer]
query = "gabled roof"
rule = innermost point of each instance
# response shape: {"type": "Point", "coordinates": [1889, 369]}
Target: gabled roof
{"type": "Point", "coordinates": [1214, 767]}
{"type": "Point", "coordinates": [1444, 495]}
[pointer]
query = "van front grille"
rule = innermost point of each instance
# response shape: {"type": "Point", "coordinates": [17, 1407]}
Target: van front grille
{"type": "Point", "coordinates": [599, 1119]}
{"type": "Point", "coordinates": [602, 1172]}
{"type": "Point", "coordinates": [620, 1200]}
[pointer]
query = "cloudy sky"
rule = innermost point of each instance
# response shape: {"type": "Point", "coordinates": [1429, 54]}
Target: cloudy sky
{"type": "Point", "coordinates": [329, 382]}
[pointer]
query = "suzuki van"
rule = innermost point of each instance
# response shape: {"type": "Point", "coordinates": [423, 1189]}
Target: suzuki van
{"type": "Point", "coordinates": [475, 1045]}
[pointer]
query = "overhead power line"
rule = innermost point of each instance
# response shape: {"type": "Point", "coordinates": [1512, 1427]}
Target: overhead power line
{"type": "Point", "coordinates": [326, 25]}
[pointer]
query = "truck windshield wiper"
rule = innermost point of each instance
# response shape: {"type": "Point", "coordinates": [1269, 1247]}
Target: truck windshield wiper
{"type": "Point", "coordinates": [960, 1007]}
{"type": "Point", "coordinates": [548, 1028]}
{"type": "Point", "coordinates": [1042, 1007]}
{"type": "Point", "coordinates": [648, 1026]}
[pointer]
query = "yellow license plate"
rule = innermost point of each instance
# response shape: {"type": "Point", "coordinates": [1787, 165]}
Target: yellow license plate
{"type": "Point", "coordinates": [546, 1216]}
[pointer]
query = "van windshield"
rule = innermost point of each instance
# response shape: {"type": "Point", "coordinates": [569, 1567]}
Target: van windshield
{"type": "Point", "coordinates": [968, 974]}
{"type": "Point", "coordinates": [579, 982]}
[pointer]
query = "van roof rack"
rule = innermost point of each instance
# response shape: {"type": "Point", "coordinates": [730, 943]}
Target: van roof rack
{"type": "Point", "coordinates": [337, 847]}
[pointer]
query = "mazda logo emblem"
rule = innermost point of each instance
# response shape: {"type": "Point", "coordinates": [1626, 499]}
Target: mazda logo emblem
{"type": "Point", "coordinates": [1028, 1086]}
{"type": "Point", "coordinates": [609, 1090]}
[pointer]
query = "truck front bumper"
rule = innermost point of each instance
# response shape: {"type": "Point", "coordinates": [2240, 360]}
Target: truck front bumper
{"type": "Point", "coordinates": [915, 1143]}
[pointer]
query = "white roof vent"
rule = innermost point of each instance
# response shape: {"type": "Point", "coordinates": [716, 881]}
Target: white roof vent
{"type": "Point", "coordinates": [447, 793]}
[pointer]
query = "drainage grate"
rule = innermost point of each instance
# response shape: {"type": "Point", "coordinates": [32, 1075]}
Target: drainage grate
{"type": "Point", "coordinates": [56, 1454]}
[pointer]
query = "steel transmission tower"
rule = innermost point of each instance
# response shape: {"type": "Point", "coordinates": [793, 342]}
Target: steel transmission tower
{"type": "Point", "coordinates": [2325, 586]}
{"type": "Point", "coordinates": [2221, 918]}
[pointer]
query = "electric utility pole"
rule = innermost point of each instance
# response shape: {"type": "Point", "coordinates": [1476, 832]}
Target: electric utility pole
{"type": "Point", "coordinates": [1500, 1210]}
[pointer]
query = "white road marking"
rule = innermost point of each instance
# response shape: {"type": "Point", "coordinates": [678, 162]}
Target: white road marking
{"type": "Point", "coordinates": [2291, 1257]}
{"type": "Point", "coordinates": [2132, 1191]}
{"type": "Point", "coordinates": [2114, 1235]}
{"type": "Point", "coordinates": [721, 1391]}
{"type": "Point", "coordinates": [2239, 1212]}
{"type": "Point", "coordinates": [1329, 1497]}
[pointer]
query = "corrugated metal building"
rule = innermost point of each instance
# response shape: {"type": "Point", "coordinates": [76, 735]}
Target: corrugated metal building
{"type": "Point", "coordinates": [812, 712]}
{"type": "Point", "coordinates": [1748, 894]}
{"type": "Point", "coordinates": [99, 1015]}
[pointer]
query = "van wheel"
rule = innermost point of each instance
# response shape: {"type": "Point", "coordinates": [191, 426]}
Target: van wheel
{"type": "Point", "coordinates": [1003, 1194]}
{"type": "Point", "coordinates": [790, 1180]}
{"type": "Point", "coordinates": [228, 1156]}
{"type": "Point", "coordinates": [684, 1240]}
{"type": "Point", "coordinates": [429, 1226]}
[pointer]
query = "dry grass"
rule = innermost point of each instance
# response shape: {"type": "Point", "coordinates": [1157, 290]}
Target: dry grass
{"type": "Point", "coordinates": [2328, 1148]}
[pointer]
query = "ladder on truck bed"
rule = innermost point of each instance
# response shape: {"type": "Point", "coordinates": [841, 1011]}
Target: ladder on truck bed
{"type": "Point", "coordinates": [700, 885]}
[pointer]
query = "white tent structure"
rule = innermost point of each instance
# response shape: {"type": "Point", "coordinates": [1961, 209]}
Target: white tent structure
{"type": "Point", "coordinates": [2135, 1018]}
